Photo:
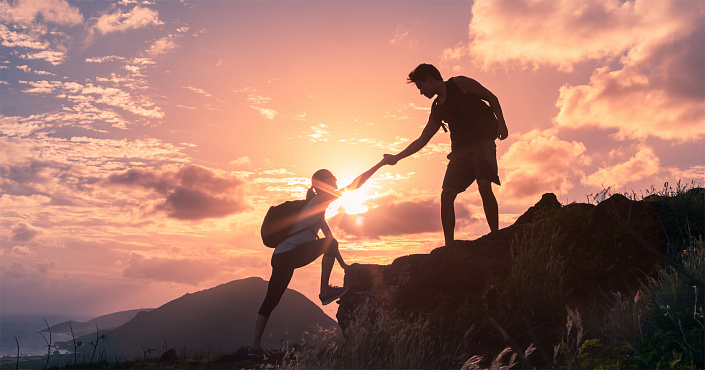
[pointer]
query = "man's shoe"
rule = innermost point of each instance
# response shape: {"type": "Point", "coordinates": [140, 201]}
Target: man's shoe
{"type": "Point", "coordinates": [256, 354]}
{"type": "Point", "coordinates": [332, 294]}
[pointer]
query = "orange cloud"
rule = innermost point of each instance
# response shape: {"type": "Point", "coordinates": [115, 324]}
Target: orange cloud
{"type": "Point", "coordinates": [539, 164]}
{"type": "Point", "coordinates": [564, 32]}
{"type": "Point", "coordinates": [390, 215]}
{"type": "Point", "coordinates": [138, 17]}
{"type": "Point", "coordinates": [659, 93]}
{"type": "Point", "coordinates": [657, 90]}
{"type": "Point", "coordinates": [49, 11]}
{"type": "Point", "coordinates": [643, 164]}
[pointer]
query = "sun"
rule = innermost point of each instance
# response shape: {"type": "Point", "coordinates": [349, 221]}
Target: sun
{"type": "Point", "coordinates": [351, 202]}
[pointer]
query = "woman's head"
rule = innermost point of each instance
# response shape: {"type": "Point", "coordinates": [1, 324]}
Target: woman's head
{"type": "Point", "coordinates": [324, 181]}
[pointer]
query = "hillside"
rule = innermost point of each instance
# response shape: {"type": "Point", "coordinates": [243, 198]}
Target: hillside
{"type": "Point", "coordinates": [105, 322]}
{"type": "Point", "coordinates": [517, 287]}
{"type": "Point", "coordinates": [215, 320]}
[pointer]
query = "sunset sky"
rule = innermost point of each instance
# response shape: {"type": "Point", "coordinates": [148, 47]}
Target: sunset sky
{"type": "Point", "coordinates": [141, 142]}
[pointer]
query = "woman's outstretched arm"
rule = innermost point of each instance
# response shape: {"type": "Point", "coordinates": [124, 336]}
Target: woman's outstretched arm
{"type": "Point", "coordinates": [360, 180]}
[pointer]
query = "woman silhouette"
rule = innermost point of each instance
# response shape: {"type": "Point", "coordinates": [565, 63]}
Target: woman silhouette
{"type": "Point", "coordinates": [304, 246]}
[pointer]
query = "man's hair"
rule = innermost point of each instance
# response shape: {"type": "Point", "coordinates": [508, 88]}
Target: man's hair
{"type": "Point", "coordinates": [422, 71]}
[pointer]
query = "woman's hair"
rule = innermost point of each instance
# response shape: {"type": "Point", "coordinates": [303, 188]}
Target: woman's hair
{"type": "Point", "coordinates": [320, 176]}
{"type": "Point", "coordinates": [422, 71]}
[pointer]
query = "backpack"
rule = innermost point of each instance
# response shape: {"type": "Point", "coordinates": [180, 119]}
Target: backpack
{"type": "Point", "coordinates": [279, 220]}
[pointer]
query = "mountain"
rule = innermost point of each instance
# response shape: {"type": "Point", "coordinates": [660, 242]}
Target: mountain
{"type": "Point", "coordinates": [215, 320]}
{"type": "Point", "coordinates": [105, 322]}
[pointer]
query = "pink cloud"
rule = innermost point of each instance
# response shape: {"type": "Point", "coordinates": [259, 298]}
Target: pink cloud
{"type": "Point", "coordinates": [23, 232]}
{"type": "Point", "coordinates": [539, 164]}
{"type": "Point", "coordinates": [564, 32]}
{"type": "Point", "coordinates": [655, 91]}
{"type": "Point", "coordinates": [391, 215]}
{"type": "Point", "coordinates": [49, 11]}
{"type": "Point", "coordinates": [188, 193]}
{"type": "Point", "coordinates": [659, 93]}
{"type": "Point", "coordinates": [643, 164]}
{"type": "Point", "coordinates": [118, 21]}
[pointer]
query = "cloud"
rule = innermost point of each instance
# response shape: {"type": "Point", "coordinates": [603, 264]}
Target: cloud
{"type": "Point", "coordinates": [659, 93]}
{"type": "Point", "coordinates": [88, 101]}
{"type": "Point", "coordinates": [12, 39]}
{"type": "Point", "coordinates": [240, 161]}
{"type": "Point", "coordinates": [23, 232]}
{"type": "Point", "coordinates": [21, 250]}
{"type": "Point", "coordinates": [401, 34]}
{"type": "Point", "coordinates": [266, 112]}
{"type": "Point", "coordinates": [48, 11]}
{"type": "Point", "coordinates": [118, 21]}
{"type": "Point", "coordinates": [642, 165]}
{"type": "Point", "coordinates": [565, 32]}
{"type": "Point", "coordinates": [694, 174]}
{"type": "Point", "coordinates": [177, 270]}
{"type": "Point", "coordinates": [654, 90]}
{"type": "Point", "coordinates": [189, 192]}
{"type": "Point", "coordinates": [161, 46]}
{"type": "Point", "coordinates": [28, 69]}
{"type": "Point", "coordinates": [320, 133]}
{"type": "Point", "coordinates": [537, 164]}
{"type": "Point", "coordinates": [198, 91]}
{"type": "Point", "coordinates": [50, 56]}
{"type": "Point", "coordinates": [44, 266]}
{"type": "Point", "coordinates": [107, 58]}
{"type": "Point", "coordinates": [393, 215]}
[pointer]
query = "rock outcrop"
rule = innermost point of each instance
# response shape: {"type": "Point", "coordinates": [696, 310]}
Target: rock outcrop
{"type": "Point", "coordinates": [597, 251]}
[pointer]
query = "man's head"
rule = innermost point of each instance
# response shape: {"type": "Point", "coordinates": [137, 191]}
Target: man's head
{"type": "Point", "coordinates": [420, 73]}
{"type": "Point", "coordinates": [427, 78]}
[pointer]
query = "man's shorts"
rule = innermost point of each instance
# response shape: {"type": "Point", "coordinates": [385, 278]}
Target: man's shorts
{"type": "Point", "coordinates": [462, 172]}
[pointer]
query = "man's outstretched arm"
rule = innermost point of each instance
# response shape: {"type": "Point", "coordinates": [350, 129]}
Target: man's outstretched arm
{"type": "Point", "coordinates": [431, 128]}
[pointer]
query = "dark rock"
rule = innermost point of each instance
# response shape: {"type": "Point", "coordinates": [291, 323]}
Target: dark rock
{"type": "Point", "coordinates": [548, 203]}
{"type": "Point", "coordinates": [598, 246]}
{"type": "Point", "coordinates": [169, 357]}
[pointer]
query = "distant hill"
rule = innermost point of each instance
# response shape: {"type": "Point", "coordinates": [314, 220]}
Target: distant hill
{"type": "Point", "coordinates": [105, 322]}
{"type": "Point", "coordinates": [215, 320]}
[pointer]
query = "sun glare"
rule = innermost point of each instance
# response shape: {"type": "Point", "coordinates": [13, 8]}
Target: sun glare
{"type": "Point", "coordinates": [352, 203]}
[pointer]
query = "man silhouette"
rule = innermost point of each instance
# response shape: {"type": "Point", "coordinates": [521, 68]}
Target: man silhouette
{"type": "Point", "coordinates": [474, 126]}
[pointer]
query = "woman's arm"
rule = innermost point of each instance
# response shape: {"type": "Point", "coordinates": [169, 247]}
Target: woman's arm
{"type": "Point", "coordinates": [360, 180]}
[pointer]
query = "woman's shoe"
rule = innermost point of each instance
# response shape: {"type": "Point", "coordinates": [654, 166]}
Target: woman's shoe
{"type": "Point", "coordinates": [332, 294]}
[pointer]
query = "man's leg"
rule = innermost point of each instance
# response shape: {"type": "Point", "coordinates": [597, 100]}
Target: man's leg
{"type": "Point", "coordinates": [489, 203]}
{"type": "Point", "coordinates": [448, 214]}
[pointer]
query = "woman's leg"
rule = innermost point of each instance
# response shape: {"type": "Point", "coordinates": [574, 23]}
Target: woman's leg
{"type": "Point", "coordinates": [281, 276]}
{"type": "Point", "coordinates": [306, 253]}
{"type": "Point", "coordinates": [283, 265]}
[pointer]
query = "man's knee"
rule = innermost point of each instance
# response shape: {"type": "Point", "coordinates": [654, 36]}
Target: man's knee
{"type": "Point", "coordinates": [448, 196]}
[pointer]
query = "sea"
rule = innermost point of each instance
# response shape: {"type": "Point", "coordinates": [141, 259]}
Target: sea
{"type": "Point", "coordinates": [23, 330]}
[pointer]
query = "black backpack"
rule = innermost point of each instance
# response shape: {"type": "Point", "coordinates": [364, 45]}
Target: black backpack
{"type": "Point", "coordinates": [279, 220]}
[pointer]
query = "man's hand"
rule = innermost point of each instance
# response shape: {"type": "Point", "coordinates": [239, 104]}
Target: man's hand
{"type": "Point", "coordinates": [502, 131]}
{"type": "Point", "coordinates": [390, 159]}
